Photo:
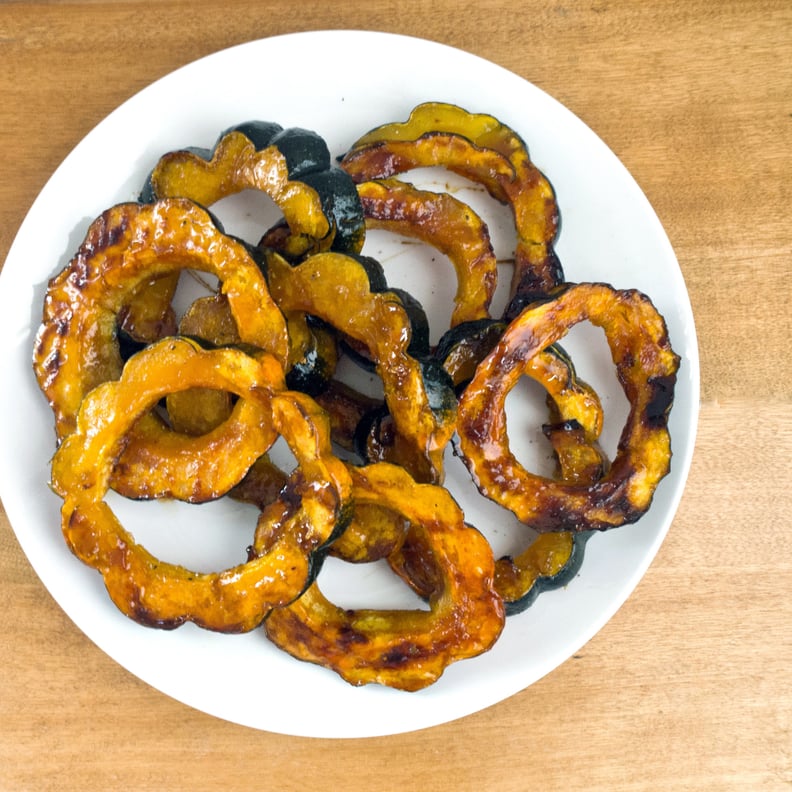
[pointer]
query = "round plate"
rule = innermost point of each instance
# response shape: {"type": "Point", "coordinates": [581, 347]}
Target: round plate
{"type": "Point", "coordinates": [322, 81]}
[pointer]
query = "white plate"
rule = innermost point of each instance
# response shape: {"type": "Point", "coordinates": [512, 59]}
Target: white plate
{"type": "Point", "coordinates": [325, 81]}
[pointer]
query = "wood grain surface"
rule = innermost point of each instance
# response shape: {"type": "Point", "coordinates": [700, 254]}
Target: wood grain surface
{"type": "Point", "coordinates": [689, 686]}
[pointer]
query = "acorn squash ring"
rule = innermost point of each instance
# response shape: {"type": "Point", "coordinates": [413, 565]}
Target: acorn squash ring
{"type": "Point", "coordinates": [481, 148]}
{"type": "Point", "coordinates": [445, 223]}
{"type": "Point", "coordinates": [77, 347]}
{"type": "Point", "coordinates": [335, 288]}
{"type": "Point", "coordinates": [404, 649]}
{"type": "Point", "coordinates": [165, 595]}
{"type": "Point", "coordinates": [646, 367]}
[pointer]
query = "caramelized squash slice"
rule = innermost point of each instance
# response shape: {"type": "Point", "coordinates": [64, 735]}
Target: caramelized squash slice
{"type": "Point", "coordinates": [166, 595]}
{"type": "Point", "coordinates": [404, 649]}
{"type": "Point", "coordinates": [646, 367]}
{"type": "Point", "coordinates": [336, 289]}
{"type": "Point", "coordinates": [484, 150]}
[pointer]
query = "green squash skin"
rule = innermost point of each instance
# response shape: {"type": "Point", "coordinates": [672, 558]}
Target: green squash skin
{"type": "Point", "coordinates": [463, 332]}
{"type": "Point", "coordinates": [439, 389]}
{"type": "Point", "coordinates": [128, 346]}
{"type": "Point", "coordinates": [374, 272]}
{"type": "Point", "coordinates": [317, 557]}
{"type": "Point", "coordinates": [311, 374]}
{"type": "Point", "coordinates": [305, 151]}
{"type": "Point", "coordinates": [419, 324]}
{"type": "Point", "coordinates": [475, 338]}
{"type": "Point", "coordinates": [259, 133]}
{"type": "Point", "coordinates": [341, 205]}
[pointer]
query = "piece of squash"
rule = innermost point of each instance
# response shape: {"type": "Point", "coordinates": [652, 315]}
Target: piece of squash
{"type": "Point", "coordinates": [487, 151]}
{"type": "Point", "coordinates": [165, 595]}
{"type": "Point", "coordinates": [336, 288]}
{"type": "Point", "coordinates": [646, 367]}
{"type": "Point", "coordinates": [403, 649]}
{"type": "Point", "coordinates": [445, 223]}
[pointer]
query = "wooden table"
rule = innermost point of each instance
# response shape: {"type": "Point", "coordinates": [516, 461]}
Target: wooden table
{"type": "Point", "coordinates": [689, 685]}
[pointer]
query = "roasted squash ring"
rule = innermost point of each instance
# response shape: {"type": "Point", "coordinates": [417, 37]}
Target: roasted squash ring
{"type": "Point", "coordinates": [404, 649]}
{"type": "Point", "coordinates": [646, 367]}
{"type": "Point", "coordinates": [481, 148]}
{"type": "Point", "coordinates": [445, 223]}
{"type": "Point", "coordinates": [77, 347]}
{"type": "Point", "coordinates": [336, 289]}
{"type": "Point", "coordinates": [166, 595]}
{"type": "Point", "coordinates": [127, 245]}
{"type": "Point", "coordinates": [235, 165]}
{"type": "Point", "coordinates": [576, 420]}
{"type": "Point", "coordinates": [253, 155]}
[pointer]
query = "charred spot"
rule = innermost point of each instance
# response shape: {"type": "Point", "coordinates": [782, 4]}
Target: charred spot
{"type": "Point", "coordinates": [145, 617]}
{"type": "Point", "coordinates": [80, 271]}
{"type": "Point", "coordinates": [53, 362]}
{"type": "Point", "coordinates": [374, 433]}
{"type": "Point", "coordinates": [661, 400]}
{"type": "Point", "coordinates": [553, 267]}
{"type": "Point", "coordinates": [535, 288]}
{"type": "Point", "coordinates": [555, 515]}
{"type": "Point", "coordinates": [291, 495]}
{"type": "Point", "coordinates": [570, 425]}
{"type": "Point", "coordinates": [627, 360]}
{"type": "Point", "coordinates": [295, 630]}
{"type": "Point", "coordinates": [348, 636]}
{"type": "Point", "coordinates": [375, 161]}
{"type": "Point", "coordinates": [402, 654]}
{"type": "Point", "coordinates": [106, 233]}
{"type": "Point", "coordinates": [522, 298]}
{"type": "Point", "coordinates": [607, 495]}
{"type": "Point", "coordinates": [478, 430]}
